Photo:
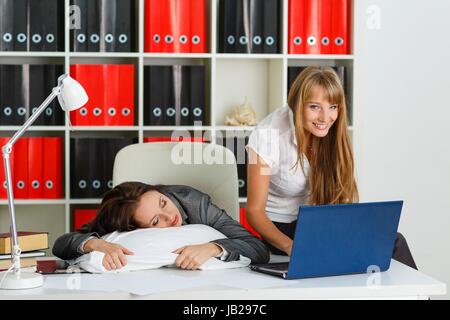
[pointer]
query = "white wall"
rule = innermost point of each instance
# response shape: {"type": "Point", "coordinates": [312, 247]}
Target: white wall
{"type": "Point", "coordinates": [402, 119]}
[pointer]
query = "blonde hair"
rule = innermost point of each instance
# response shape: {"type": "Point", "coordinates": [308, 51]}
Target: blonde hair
{"type": "Point", "coordinates": [331, 174]}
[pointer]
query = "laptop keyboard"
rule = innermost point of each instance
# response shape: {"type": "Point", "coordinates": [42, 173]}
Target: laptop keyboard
{"type": "Point", "coordinates": [279, 266]}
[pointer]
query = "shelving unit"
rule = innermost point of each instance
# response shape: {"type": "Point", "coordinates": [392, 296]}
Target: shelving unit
{"type": "Point", "coordinates": [262, 78]}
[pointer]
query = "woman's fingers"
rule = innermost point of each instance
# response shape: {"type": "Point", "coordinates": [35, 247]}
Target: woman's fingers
{"type": "Point", "coordinates": [126, 251]}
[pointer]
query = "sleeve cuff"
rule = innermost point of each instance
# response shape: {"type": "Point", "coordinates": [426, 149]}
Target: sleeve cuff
{"type": "Point", "coordinates": [81, 246]}
{"type": "Point", "coordinates": [223, 255]}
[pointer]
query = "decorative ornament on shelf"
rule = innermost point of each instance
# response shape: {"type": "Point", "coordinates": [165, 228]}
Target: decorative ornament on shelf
{"type": "Point", "coordinates": [243, 115]}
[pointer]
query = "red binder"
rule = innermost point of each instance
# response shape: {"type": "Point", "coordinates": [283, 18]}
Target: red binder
{"type": "Point", "coordinates": [35, 168]}
{"type": "Point", "coordinates": [183, 28]}
{"type": "Point", "coordinates": [168, 25]}
{"type": "Point", "coordinates": [126, 95]}
{"type": "Point", "coordinates": [21, 169]}
{"type": "Point", "coordinates": [3, 193]}
{"type": "Point", "coordinates": [80, 117]}
{"type": "Point", "coordinates": [325, 27]}
{"type": "Point", "coordinates": [198, 25]}
{"type": "Point", "coordinates": [243, 220]}
{"type": "Point", "coordinates": [96, 84]}
{"type": "Point", "coordinates": [340, 27]}
{"type": "Point", "coordinates": [296, 31]}
{"type": "Point", "coordinates": [312, 27]}
{"type": "Point", "coordinates": [152, 26]}
{"type": "Point", "coordinates": [82, 217]}
{"type": "Point", "coordinates": [111, 96]}
{"type": "Point", "coordinates": [52, 159]}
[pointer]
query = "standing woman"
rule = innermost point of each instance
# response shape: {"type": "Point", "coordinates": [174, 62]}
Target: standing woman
{"type": "Point", "coordinates": [301, 154]}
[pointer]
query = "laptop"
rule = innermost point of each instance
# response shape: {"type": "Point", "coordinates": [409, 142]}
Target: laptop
{"type": "Point", "coordinates": [340, 239]}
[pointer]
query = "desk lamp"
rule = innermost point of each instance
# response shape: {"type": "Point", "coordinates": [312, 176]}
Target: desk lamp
{"type": "Point", "coordinates": [71, 96]}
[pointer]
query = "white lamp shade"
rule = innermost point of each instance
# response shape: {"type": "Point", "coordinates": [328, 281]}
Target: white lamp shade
{"type": "Point", "coordinates": [73, 95]}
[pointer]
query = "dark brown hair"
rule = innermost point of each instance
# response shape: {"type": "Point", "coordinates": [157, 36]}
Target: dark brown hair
{"type": "Point", "coordinates": [116, 212]}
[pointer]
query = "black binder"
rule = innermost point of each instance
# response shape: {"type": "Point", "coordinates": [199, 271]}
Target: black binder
{"type": "Point", "coordinates": [237, 145]}
{"type": "Point", "coordinates": [107, 19]}
{"type": "Point", "coordinates": [124, 26]}
{"type": "Point", "coordinates": [46, 25]}
{"type": "Point", "coordinates": [7, 101]}
{"type": "Point", "coordinates": [227, 26]}
{"type": "Point", "coordinates": [7, 35]}
{"type": "Point", "coordinates": [54, 115]}
{"type": "Point", "coordinates": [79, 36]}
{"type": "Point", "coordinates": [271, 28]}
{"type": "Point", "coordinates": [20, 89]}
{"type": "Point", "coordinates": [153, 95]}
{"type": "Point", "coordinates": [37, 92]}
{"type": "Point", "coordinates": [257, 26]}
{"type": "Point", "coordinates": [243, 44]}
{"type": "Point", "coordinates": [169, 108]}
{"type": "Point", "coordinates": [20, 23]}
{"type": "Point", "coordinates": [185, 98]}
{"type": "Point", "coordinates": [93, 25]}
{"type": "Point", "coordinates": [197, 94]}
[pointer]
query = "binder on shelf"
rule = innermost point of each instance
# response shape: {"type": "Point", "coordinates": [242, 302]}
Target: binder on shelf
{"type": "Point", "coordinates": [82, 217]}
{"type": "Point", "coordinates": [168, 12]}
{"type": "Point", "coordinates": [183, 34]}
{"type": "Point", "coordinates": [93, 26]}
{"type": "Point", "coordinates": [197, 94]}
{"type": "Point", "coordinates": [35, 168]}
{"type": "Point", "coordinates": [243, 45]}
{"type": "Point", "coordinates": [20, 181]}
{"type": "Point", "coordinates": [54, 115]}
{"type": "Point", "coordinates": [185, 97]}
{"type": "Point", "coordinates": [197, 19]}
{"type": "Point", "coordinates": [153, 20]}
{"type": "Point", "coordinates": [325, 27]}
{"type": "Point", "coordinates": [227, 26]}
{"type": "Point", "coordinates": [169, 110]}
{"type": "Point", "coordinates": [125, 20]}
{"type": "Point", "coordinates": [79, 36]}
{"type": "Point", "coordinates": [340, 27]}
{"type": "Point", "coordinates": [111, 96]}
{"type": "Point", "coordinates": [37, 92]}
{"type": "Point", "coordinates": [125, 99]}
{"type": "Point", "coordinates": [20, 86]}
{"type": "Point", "coordinates": [297, 22]}
{"type": "Point", "coordinates": [107, 19]}
{"type": "Point", "coordinates": [8, 101]}
{"type": "Point", "coordinates": [7, 34]}
{"type": "Point", "coordinates": [52, 159]}
{"type": "Point", "coordinates": [312, 27]}
{"type": "Point", "coordinates": [153, 95]}
{"type": "Point", "coordinates": [20, 25]}
{"type": "Point", "coordinates": [79, 168]}
{"type": "Point", "coordinates": [243, 220]}
{"type": "Point", "coordinates": [271, 25]}
{"type": "Point", "coordinates": [257, 25]}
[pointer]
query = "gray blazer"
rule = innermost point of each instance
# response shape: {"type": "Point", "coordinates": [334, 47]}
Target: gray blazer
{"type": "Point", "coordinates": [195, 208]}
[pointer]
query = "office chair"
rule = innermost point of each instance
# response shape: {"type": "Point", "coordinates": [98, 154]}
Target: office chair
{"type": "Point", "coordinates": [158, 163]}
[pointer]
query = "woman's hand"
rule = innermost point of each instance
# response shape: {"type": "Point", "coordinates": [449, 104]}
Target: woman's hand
{"type": "Point", "coordinates": [114, 253]}
{"type": "Point", "coordinates": [288, 248]}
{"type": "Point", "coordinates": [192, 257]}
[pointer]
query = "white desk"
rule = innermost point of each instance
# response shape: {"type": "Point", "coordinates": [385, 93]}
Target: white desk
{"type": "Point", "coordinates": [399, 282]}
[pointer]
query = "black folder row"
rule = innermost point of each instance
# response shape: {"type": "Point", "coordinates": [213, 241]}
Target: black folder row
{"type": "Point", "coordinates": [104, 25]}
{"type": "Point", "coordinates": [174, 95]}
{"type": "Point", "coordinates": [341, 71]}
{"type": "Point", "coordinates": [237, 145]}
{"type": "Point", "coordinates": [91, 165]}
{"type": "Point", "coordinates": [249, 26]}
{"type": "Point", "coordinates": [23, 88]}
{"type": "Point", "coordinates": [31, 25]}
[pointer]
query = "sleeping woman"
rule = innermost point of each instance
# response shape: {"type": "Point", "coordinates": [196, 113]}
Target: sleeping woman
{"type": "Point", "coordinates": [134, 205]}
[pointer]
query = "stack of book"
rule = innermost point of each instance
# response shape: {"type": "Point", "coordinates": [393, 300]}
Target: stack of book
{"type": "Point", "coordinates": [30, 243]}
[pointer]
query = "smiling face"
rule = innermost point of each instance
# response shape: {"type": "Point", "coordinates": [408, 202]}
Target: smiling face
{"type": "Point", "coordinates": [155, 210]}
{"type": "Point", "coordinates": [318, 113]}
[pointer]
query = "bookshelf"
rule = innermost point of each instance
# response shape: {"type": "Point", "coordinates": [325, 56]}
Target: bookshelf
{"type": "Point", "coordinates": [262, 78]}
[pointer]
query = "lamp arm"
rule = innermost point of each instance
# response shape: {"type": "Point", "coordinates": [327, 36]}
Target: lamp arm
{"type": "Point", "coordinates": [6, 151]}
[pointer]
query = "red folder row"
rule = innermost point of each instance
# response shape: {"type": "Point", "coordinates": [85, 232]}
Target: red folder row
{"type": "Point", "coordinates": [36, 165]}
{"type": "Point", "coordinates": [319, 26]}
{"type": "Point", "coordinates": [82, 217]}
{"type": "Point", "coordinates": [175, 26]}
{"type": "Point", "coordinates": [110, 88]}
{"type": "Point", "coordinates": [243, 220]}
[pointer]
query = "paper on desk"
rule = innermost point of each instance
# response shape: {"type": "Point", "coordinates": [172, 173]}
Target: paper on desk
{"type": "Point", "coordinates": [162, 280]}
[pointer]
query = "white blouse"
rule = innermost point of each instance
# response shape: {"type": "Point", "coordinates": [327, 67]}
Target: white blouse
{"type": "Point", "coordinates": [275, 142]}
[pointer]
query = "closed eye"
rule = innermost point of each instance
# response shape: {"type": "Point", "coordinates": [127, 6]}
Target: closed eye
{"type": "Point", "coordinates": [155, 221]}
{"type": "Point", "coordinates": [314, 106]}
{"type": "Point", "coordinates": [162, 202]}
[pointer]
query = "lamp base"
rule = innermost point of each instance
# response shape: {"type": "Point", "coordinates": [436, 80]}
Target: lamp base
{"type": "Point", "coordinates": [22, 280]}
